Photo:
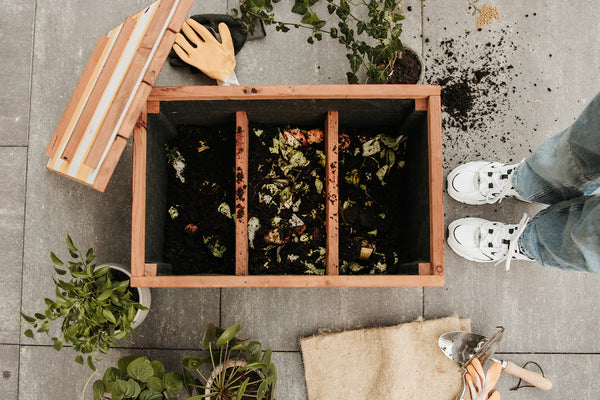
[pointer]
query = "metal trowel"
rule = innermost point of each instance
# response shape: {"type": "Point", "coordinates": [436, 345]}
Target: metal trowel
{"type": "Point", "coordinates": [461, 347]}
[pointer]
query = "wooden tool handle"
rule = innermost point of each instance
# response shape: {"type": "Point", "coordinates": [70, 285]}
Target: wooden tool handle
{"type": "Point", "coordinates": [534, 378]}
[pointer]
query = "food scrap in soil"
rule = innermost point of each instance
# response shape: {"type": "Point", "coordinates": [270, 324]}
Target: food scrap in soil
{"type": "Point", "coordinates": [371, 176]}
{"type": "Point", "coordinates": [286, 205]}
{"type": "Point", "coordinates": [199, 227]}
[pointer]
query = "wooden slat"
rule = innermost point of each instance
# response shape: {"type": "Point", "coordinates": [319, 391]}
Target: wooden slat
{"type": "Point", "coordinates": [204, 281]}
{"type": "Point", "coordinates": [159, 58]}
{"type": "Point", "coordinates": [77, 95]}
{"type": "Point", "coordinates": [138, 104]}
{"type": "Point", "coordinates": [150, 270]}
{"type": "Point", "coordinates": [436, 184]}
{"type": "Point", "coordinates": [98, 90]}
{"type": "Point", "coordinates": [109, 164]}
{"type": "Point", "coordinates": [138, 204]}
{"type": "Point", "coordinates": [425, 269]}
{"type": "Point", "coordinates": [242, 142]}
{"type": "Point", "coordinates": [180, 15]}
{"type": "Point", "coordinates": [332, 200]}
{"type": "Point", "coordinates": [180, 93]}
{"type": "Point", "coordinates": [421, 105]}
{"type": "Point", "coordinates": [128, 84]}
{"type": "Point", "coordinates": [153, 107]}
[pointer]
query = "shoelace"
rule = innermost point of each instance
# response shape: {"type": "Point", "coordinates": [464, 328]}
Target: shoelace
{"type": "Point", "coordinates": [498, 181]}
{"type": "Point", "coordinates": [499, 235]}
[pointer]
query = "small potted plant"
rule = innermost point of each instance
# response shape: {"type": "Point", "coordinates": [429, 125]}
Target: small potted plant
{"type": "Point", "coordinates": [137, 378]}
{"type": "Point", "coordinates": [236, 369]}
{"type": "Point", "coordinates": [96, 305]}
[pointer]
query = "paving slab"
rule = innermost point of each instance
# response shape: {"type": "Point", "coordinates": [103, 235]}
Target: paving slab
{"type": "Point", "coordinates": [9, 368]}
{"type": "Point", "coordinates": [290, 376]}
{"type": "Point", "coordinates": [527, 81]}
{"type": "Point", "coordinates": [13, 161]}
{"type": "Point", "coordinates": [279, 317]}
{"type": "Point", "coordinates": [16, 30]}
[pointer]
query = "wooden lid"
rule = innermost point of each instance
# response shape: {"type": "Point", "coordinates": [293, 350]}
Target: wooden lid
{"type": "Point", "coordinates": [112, 92]}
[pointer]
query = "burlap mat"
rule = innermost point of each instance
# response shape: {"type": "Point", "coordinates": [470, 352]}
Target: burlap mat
{"type": "Point", "coordinates": [399, 362]}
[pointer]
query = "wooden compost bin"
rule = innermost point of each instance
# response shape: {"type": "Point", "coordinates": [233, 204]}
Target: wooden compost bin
{"type": "Point", "coordinates": [415, 109]}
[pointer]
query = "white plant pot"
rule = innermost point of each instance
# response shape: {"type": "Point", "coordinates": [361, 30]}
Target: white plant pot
{"type": "Point", "coordinates": [143, 293]}
{"type": "Point", "coordinates": [219, 368]}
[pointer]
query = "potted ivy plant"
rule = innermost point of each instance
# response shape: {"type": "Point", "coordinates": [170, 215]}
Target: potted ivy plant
{"type": "Point", "coordinates": [96, 305]}
{"type": "Point", "coordinates": [236, 369]}
{"type": "Point", "coordinates": [370, 31]}
{"type": "Point", "coordinates": [137, 378]}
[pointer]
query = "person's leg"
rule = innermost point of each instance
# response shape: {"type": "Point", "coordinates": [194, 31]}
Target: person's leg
{"type": "Point", "coordinates": [565, 235]}
{"type": "Point", "coordinates": [565, 166]}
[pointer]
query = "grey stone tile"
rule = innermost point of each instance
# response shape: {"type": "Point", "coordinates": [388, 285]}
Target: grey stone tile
{"type": "Point", "coordinates": [13, 162]}
{"type": "Point", "coordinates": [178, 318]}
{"type": "Point", "coordinates": [290, 376]}
{"type": "Point", "coordinates": [16, 22]}
{"type": "Point", "coordinates": [570, 374]}
{"type": "Point", "coordinates": [279, 317]}
{"type": "Point", "coordinates": [9, 368]}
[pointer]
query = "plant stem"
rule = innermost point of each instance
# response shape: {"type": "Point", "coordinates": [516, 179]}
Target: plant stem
{"type": "Point", "coordinates": [86, 385]}
{"type": "Point", "coordinates": [472, 4]}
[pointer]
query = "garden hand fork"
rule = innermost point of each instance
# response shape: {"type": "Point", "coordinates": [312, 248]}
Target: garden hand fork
{"type": "Point", "coordinates": [200, 48]}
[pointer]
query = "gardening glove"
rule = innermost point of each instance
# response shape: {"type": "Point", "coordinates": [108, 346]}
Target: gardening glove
{"type": "Point", "coordinates": [202, 50]}
{"type": "Point", "coordinates": [481, 385]}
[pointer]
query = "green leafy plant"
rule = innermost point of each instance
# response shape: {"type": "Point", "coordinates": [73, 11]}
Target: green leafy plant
{"type": "Point", "coordinates": [236, 369]}
{"type": "Point", "coordinates": [372, 42]}
{"type": "Point", "coordinates": [95, 309]}
{"type": "Point", "coordinates": [138, 378]}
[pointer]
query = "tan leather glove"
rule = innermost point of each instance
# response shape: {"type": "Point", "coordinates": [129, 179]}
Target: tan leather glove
{"type": "Point", "coordinates": [480, 384]}
{"type": "Point", "coordinates": [202, 50]}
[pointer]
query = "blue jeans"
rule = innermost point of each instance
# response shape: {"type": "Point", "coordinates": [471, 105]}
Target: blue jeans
{"type": "Point", "coordinates": [564, 172]}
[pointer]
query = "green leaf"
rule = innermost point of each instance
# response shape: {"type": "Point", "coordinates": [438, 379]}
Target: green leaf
{"type": "Point", "coordinates": [70, 245]}
{"type": "Point", "coordinates": [191, 362]}
{"type": "Point", "coordinates": [140, 369]}
{"type": "Point", "coordinates": [262, 390]}
{"type": "Point", "coordinates": [242, 389]}
{"type": "Point", "coordinates": [79, 359]}
{"type": "Point", "coordinates": [253, 351]}
{"type": "Point", "coordinates": [155, 383]}
{"type": "Point", "coordinates": [343, 10]}
{"type": "Point", "coordinates": [119, 389]}
{"type": "Point", "coordinates": [109, 315]}
{"type": "Point", "coordinates": [60, 271]}
{"type": "Point", "coordinates": [209, 334]}
{"type": "Point", "coordinates": [111, 375]}
{"type": "Point", "coordinates": [28, 318]}
{"type": "Point", "coordinates": [56, 260]}
{"type": "Point", "coordinates": [124, 362]}
{"type": "Point", "coordinates": [28, 333]}
{"type": "Point", "coordinates": [101, 271]}
{"type": "Point", "coordinates": [58, 345]}
{"type": "Point", "coordinates": [90, 363]}
{"type": "Point", "coordinates": [229, 334]}
{"type": "Point", "coordinates": [133, 389]}
{"type": "Point", "coordinates": [151, 395]}
{"type": "Point", "coordinates": [267, 356]}
{"type": "Point", "coordinates": [158, 367]}
{"type": "Point", "coordinates": [299, 7]}
{"type": "Point", "coordinates": [98, 390]}
{"type": "Point", "coordinates": [254, 365]}
{"type": "Point", "coordinates": [105, 295]}
{"type": "Point", "coordinates": [172, 382]}
{"type": "Point", "coordinates": [120, 335]}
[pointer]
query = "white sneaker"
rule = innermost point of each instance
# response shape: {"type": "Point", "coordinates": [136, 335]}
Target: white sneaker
{"type": "Point", "coordinates": [480, 240]}
{"type": "Point", "coordinates": [482, 182]}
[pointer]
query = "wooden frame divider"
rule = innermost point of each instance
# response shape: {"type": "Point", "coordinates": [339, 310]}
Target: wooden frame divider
{"type": "Point", "coordinates": [425, 96]}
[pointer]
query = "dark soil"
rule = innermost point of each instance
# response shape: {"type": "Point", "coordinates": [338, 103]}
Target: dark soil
{"type": "Point", "coordinates": [280, 245]}
{"type": "Point", "coordinates": [201, 239]}
{"type": "Point", "coordinates": [370, 213]}
{"type": "Point", "coordinates": [406, 70]}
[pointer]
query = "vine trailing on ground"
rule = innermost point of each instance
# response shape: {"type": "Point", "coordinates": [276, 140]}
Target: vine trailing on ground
{"type": "Point", "coordinates": [372, 42]}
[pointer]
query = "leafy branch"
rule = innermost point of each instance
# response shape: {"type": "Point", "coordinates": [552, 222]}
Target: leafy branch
{"type": "Point", "coordinates": [371, 43]}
